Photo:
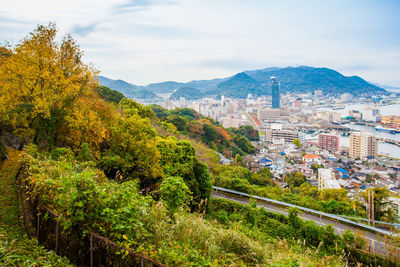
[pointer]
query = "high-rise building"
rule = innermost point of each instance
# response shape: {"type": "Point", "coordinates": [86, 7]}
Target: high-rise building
{"type": "Point", "coordinates": [362, 145]}
{"type": "Point", "coordinates": [329, 142]}
{"type": "Point", "coordinates": [275, 93]}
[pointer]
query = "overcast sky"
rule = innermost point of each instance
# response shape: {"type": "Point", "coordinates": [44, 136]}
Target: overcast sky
{"type": "Point", "coordinates": [144, 41]}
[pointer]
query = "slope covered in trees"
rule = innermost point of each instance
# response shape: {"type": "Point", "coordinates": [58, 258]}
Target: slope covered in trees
{"type": "Point", "coordinates": [92, 162]}
{"type": "Point", "coordinates": [191, 123]}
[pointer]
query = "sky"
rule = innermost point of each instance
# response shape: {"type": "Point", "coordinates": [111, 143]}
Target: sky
{"type": "Point", "coordinates": [147, 41]}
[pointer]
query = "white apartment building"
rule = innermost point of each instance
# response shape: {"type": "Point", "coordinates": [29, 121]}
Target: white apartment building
{"type": "Point", "coordinates": [327, 180]}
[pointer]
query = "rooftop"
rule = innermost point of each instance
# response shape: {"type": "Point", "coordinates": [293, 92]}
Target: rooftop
{"type": "Point", "coordinates": [310, 156]}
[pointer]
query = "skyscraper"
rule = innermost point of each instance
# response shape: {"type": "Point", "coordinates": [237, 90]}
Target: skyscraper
{"type": "Point", "coordinates": [275, 93]}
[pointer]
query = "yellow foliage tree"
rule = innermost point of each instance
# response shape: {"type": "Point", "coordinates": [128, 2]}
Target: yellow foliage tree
{"type": "Point", "coordinates": [40, 83]}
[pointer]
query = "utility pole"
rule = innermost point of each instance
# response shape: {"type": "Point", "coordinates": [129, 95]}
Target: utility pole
{"type": "Point", "coordinates": [371, 208]}
{"type": "Point", "coordinates": [368, 207]}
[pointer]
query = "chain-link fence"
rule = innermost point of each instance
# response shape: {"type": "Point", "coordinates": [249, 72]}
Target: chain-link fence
{"type": "Point", "coordinates": [85, 250]}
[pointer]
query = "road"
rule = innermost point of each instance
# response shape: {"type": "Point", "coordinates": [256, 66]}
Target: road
{"type": "Point", "coordinates": [375, 243]}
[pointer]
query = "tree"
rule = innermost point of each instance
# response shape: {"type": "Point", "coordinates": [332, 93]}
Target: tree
{"type": "Point", "coordinates": [174, 193]}
{"type": "Point", "coordinates": [348, 237]}
{"type": "Point", "coordinates": [309, 190]}
{"type": "Point", "coordinates": [293, 218]}
{"type": "Point", "coordinates": [132, 151]}
{"type": "Point", "coordinates": [295, 179]}
{"type": "Point", "coordinates": [380, 201]}
{"type": "Point", "coordinates": [297, 142]}
{"type": "Point", "coordinates": [336, 194]}
{"type": "Point", "coordinates": [239, 160]}
{"type": "Point", "coordinates": [244, 144]}
{"type": "Point", "coordinates": [178, 158]}
{"type": "Point", "coordinates": [188, 113]}
{"type": "Point", "coordinates": [159, 111]}
{"type": "Point", "coordinates": [131, 108]}
{"type": "Point", "coordinates": [247, 131]}
{"type": "Point", "coordinates": [40, 81]}
{"type": "Point", "coordinates": [178, 121]}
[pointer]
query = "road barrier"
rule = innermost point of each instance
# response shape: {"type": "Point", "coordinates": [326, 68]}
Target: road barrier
{"type": "Point", "coordinates": [319, 213]}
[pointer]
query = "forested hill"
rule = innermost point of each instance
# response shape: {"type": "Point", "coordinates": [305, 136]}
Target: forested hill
{"type": "Point", "coordinates": [305, 79]}
{"type": "Point", "coordinates": [129, 90]}
{"type": "Point", "coordinates": [301, 79]}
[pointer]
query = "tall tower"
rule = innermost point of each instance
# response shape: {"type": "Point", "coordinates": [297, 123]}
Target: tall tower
{"type": "Point", "coordinates": [275, 93]}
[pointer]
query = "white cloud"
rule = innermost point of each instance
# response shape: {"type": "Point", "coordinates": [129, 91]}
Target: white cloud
{"type": "Point", "coordinates": [145, 41]}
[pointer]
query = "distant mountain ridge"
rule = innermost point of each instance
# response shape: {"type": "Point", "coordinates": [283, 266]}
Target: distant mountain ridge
{"type": "Point", "coordinates": [239, 86]}
{"type": "Point", "coordinates": [302, 79]}
{"type": "Point", "coordinates": [128, 89]}
{"type": "Point", "coordinates": [387, 87]}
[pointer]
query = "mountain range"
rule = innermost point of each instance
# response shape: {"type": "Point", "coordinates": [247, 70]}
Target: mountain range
{"type": "Point", "coordinates": [301, 79]}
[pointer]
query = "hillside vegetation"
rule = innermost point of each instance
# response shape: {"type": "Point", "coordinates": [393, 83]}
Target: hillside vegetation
{"type": "Point", "coordinates": [190, 123]}
{"type": "Point", "coordinates": [125, 171]}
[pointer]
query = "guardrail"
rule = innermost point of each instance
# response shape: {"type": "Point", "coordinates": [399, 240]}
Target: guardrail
{"type": "Point", "coordinates": [397, 225]}
{"type": "Point", "coordinates": [327, 215]}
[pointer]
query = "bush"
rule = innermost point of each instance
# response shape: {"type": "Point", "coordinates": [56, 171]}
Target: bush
{"type": "Point", "coordinates": [174, 193]}
{"type": "Point", "coordinates": [348, 237]}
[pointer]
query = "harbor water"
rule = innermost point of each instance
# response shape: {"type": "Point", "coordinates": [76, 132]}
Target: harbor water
{"type": "Point", "coordinates": [387, 110]}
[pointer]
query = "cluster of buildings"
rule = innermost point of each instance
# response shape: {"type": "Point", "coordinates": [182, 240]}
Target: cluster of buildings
{"type": "Point", "coordinates": [316, 121]}
{"type": "Point", "coordinates": [328, 165]}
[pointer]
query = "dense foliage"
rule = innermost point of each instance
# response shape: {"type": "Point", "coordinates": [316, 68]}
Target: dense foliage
{"type": "Point", "coordinates": [88, 201]}
{"type": "Point", "coordinates": [23, 251]}
{"type": "Point", "coordinates": [266, 224]}
{"type": "Point", "coordinates": [300, 192]}
{"type": "Point", "coordinates": [109, 95]}
{"type": "Point", "coordinates": [179, 159]}
{"type": "Point", "coordinates": [16, 248]}
{"type": "Point", "coordinates": [207, 130]}
{"type": "Point", "coordinates": [247, 131]}
{"type": "Point", "coordinates": [57, 104]}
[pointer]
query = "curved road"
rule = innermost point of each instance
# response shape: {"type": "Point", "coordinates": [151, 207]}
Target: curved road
{"type": "Point", "coordinates": [375, 242]}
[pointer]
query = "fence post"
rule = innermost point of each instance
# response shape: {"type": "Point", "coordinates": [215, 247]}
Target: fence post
{"type": "Point", "coordinates": [141, 262]}
{"type": "Point", "coordinates": [91, 250]}
{"type": "Point", "coordinates": [56, 236]}
{"type": "Point", "coordinates": [38, 226]}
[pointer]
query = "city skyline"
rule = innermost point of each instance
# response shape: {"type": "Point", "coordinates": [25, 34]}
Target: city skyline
{"type": "Point", "coordinates": [152, 41]}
